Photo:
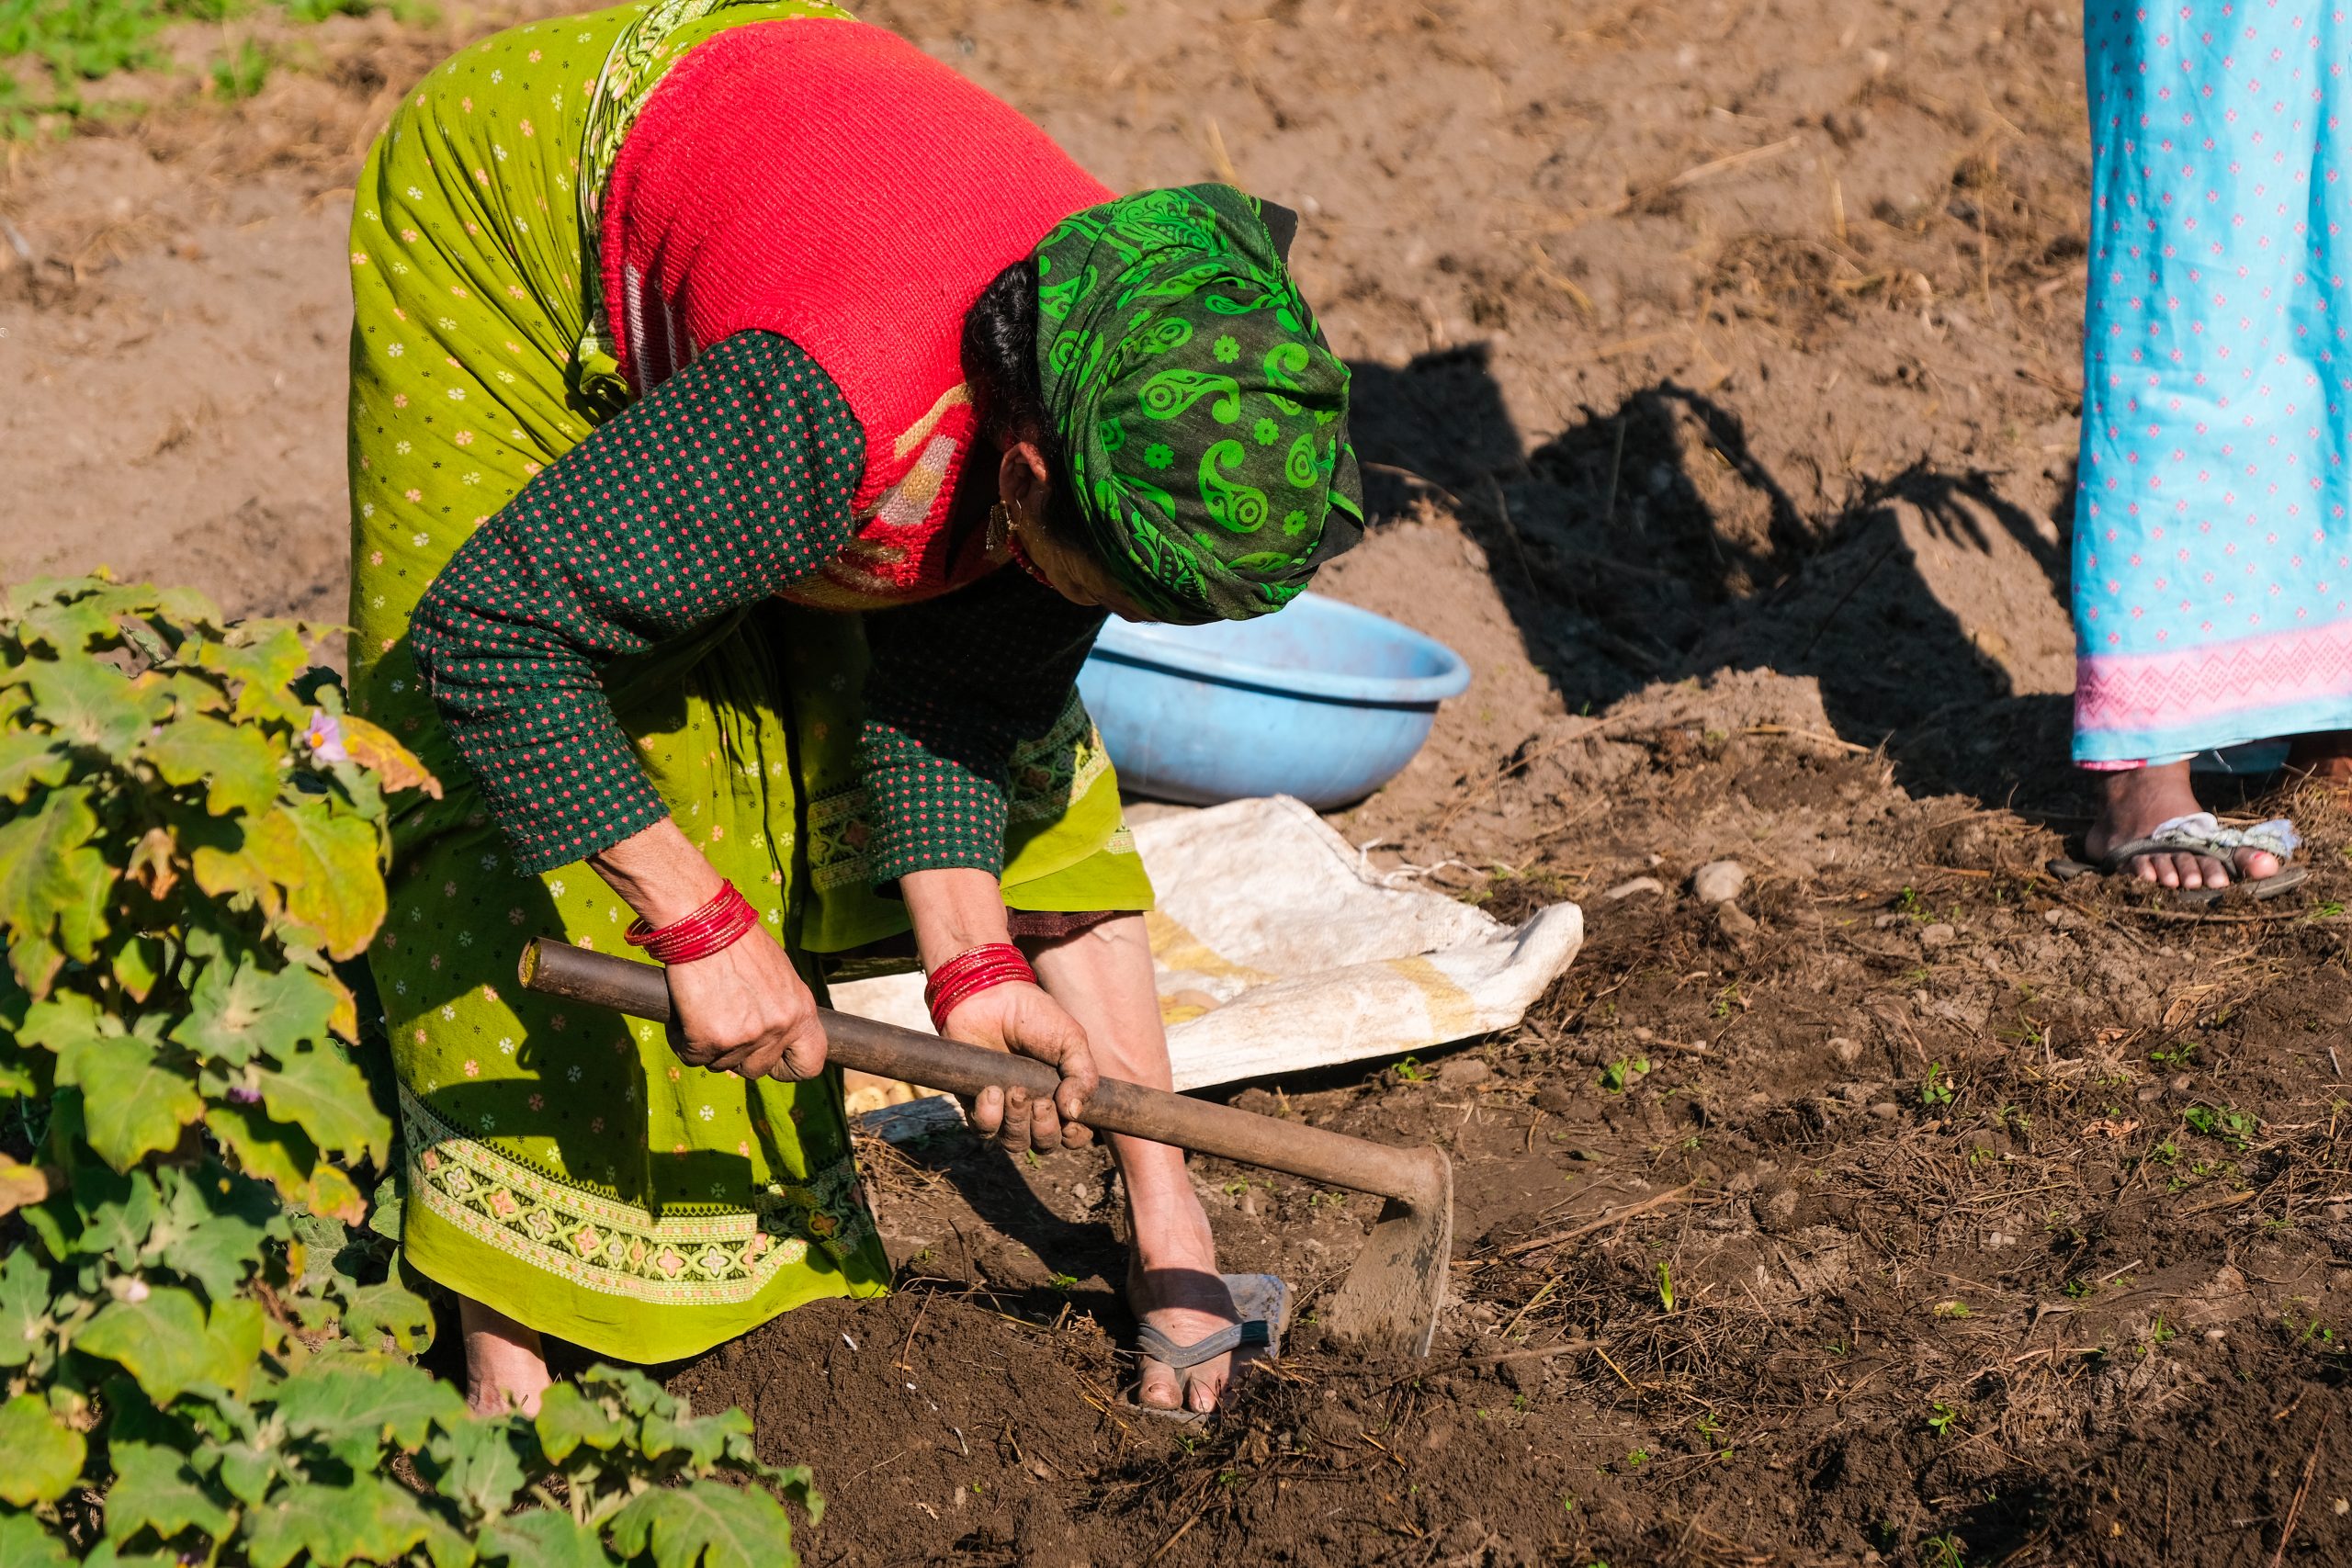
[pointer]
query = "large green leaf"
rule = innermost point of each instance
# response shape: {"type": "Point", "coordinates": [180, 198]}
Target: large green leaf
{"type": "Point", "coordinates": [269, 1151]}
{"type": "Point", "coordinates": [212, 1228]}
{"type": "Point", "coordinates": [44, 1458]}
{"type": "Point", "coordinates": [478, 1465]}
{"type": "Point", "coordinates": [133, 1101]}
{"type": "Point", "coordinates": [118, 1210]}
{"type": "Point", "coordinates": [327, 865]}
{"type": "Point", "coordinates": [237, 763]}
{"type": "Point", "coordinates": [69, 625]}
{"type": "Point", "coordinates": [29, 761]}
{"type": "Point", "coordinates": [154, 1489]}
{"type": "Point", "coordinates": [24, 1544]}
{"type": "Point", "coordinates": [370, 1520]}
{"type": "Point", "coordinates": [706, 1524]}
{"type": "Point", "coordinates": [567, 1419]}
{"type": "Point", "coordinates": [389, 1311]}
{"type": "Point", "coordinates": [51, 880]}
{"type": "Point", "coordinates": [263, 659]}
{"type": "Point", "coordinates": [541, 1539]}
{"type": "Point", "coordinates": [25, 1323]}
{"type": "Point", "coordinates": [165, 1341]}
{"type": "Point", "coordinates": [353, 1405]}
{"type": "Point", "coordinates": [236, 1013]}
{"type": "Point", "coordinates": [89, 703]}
{"type": "Point", "coordinates": [323, 1094]}
{"type": "Point", "coordinates": [704, 1439]}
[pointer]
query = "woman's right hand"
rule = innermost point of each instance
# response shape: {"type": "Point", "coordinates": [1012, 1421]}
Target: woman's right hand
{"type": "Point", "coordinates": [746, 1010]}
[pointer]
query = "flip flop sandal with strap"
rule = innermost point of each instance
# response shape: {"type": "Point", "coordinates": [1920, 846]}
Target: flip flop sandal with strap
{"type": "Point", "coordinates": [2201, 833]}
{"type": "Point", "coordinates": [1260, 1301]}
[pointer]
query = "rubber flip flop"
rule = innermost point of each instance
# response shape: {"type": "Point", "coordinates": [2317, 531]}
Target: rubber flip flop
{"type": "Point", "coordinates": [2173, 838]}
{"type": "Point", "coordinates": [1260, 1304]}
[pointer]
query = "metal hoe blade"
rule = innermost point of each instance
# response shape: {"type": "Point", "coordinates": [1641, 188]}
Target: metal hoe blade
{"type": "Point", "coordinates": [1390, 1299]}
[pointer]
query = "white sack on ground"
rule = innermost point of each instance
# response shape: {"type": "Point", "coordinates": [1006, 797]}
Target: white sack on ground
{"type": "Point", "coordinates": [1278, 950]}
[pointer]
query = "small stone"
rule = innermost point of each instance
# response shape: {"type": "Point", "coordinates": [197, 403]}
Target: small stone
{"type": "Point", "coordinates": [1775, 1208]}
{"type": "Point", "coordinates": [2180, 1084]}
{"type": "Point", "coordinates": [1463, 1071]}
{"type": "Point", "coordinates": [1644, 1034]}
{"type": "Point", "coordinates": [2338, 1212]}
{"type": "Point", "coordinates": [1847, 1052]}
{"type": "Point", "coordinates": [1999, 1238]}
{"type": "Point", "coordinates": [2342, 1506]}
{"type": "Point", "coordinates": [2061, 919]}
{"type": "Point", "coordinates": [1718, 881]}
{"type": "Point", "coordinates": [1938, 935]}
{"type": "Point", "coordinates": [1733, 921]}
{"type": "Point", "coordinates": [2148, 1091]}
{"type": "Point", "coordinates": [1626, 889]}
{"type": "Point", "coordinates": [1555, 1099]}
{"type": "Point", "coordinates": [1887, 1110]}
{"type": "Point", "coordinates": [2213, 1336]}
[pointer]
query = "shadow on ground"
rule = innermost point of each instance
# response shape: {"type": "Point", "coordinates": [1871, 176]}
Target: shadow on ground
{"type": "Point", "coordinates": [1650, 542]}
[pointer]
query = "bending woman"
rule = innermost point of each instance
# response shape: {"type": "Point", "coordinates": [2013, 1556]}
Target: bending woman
{"type": "Point", "coordinates": [752, 423]}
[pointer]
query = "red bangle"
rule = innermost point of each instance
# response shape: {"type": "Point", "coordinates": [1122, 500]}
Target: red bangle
{"type": "Point", "coordinates": [968, 974]}
{"type": "Point", "coordinates": [711, 929]}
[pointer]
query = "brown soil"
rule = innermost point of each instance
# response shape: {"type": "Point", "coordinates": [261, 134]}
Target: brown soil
{"type": "Point", "coordinates": [1716, 370]}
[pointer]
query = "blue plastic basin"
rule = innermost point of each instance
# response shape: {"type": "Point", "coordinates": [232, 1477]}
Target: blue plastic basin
{"type": "Point", "coordinates": [1319, 700]}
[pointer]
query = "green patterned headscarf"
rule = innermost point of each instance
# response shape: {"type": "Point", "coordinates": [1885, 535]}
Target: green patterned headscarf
{"type": "Point", "coordinates": [1206, 419]}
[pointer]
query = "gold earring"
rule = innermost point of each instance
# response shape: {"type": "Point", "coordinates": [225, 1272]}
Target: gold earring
{"type": "Point", "coordinates": [999, 538]}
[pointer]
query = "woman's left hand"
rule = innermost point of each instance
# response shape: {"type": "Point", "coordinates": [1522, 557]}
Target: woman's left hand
{"type": "Point", "coordinates": [1023, 1020]}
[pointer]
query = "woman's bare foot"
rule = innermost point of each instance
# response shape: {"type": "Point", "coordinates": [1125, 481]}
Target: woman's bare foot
{"type": "Point", "coordinates": [2133, 802]}
{"type": "Point", "coordinates": [1174, 1286]}
{"type": "Point", "coordinates": [504, 1367]}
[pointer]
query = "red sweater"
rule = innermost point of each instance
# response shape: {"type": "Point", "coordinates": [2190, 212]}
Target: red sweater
{"type": "Point", "coordinates": [829, 182]}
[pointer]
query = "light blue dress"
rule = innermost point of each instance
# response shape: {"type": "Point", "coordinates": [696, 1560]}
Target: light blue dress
{"type": "Point", "coordinates": [2212, 553]}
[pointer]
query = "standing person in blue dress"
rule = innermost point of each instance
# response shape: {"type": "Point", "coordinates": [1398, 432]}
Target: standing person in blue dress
{"type": "Point", "coordinates": [2212, 549]}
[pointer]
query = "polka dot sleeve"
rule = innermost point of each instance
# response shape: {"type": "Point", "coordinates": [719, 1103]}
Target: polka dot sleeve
{"type": "Point", "coordinates": [726, 482]}
{"type": "Point", "coordinates": [956, 682]}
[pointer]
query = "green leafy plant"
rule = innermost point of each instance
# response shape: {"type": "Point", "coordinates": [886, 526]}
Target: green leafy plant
{"type": "Point", "coordinates": [2236, 1128]}
{"type": "Point", "coordinates": [1935, 1087]}
{"type": "Point", "coordinates": [1411, 1071]}
{"type": "Point", "coordinates": [1943, 1551]}
{"type": "Point", "coordinates": [1619, 1074]}
{"type": "Point", "coordinates": [1665, 1287]}
{"type": "Point", "coordinates": [203, 1361]}
{"type": "Point", "coordinates": [1941, 1419]}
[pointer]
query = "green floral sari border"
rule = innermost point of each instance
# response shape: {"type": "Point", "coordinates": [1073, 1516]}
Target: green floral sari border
{"type": "Point", "coordinates": [618, 1249]}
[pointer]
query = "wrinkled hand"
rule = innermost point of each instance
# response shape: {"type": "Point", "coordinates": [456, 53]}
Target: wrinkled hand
{"type": "Point", "coordinates": [744, 1009]}
{"type": "Point", "coordinates": [1023, 1020]}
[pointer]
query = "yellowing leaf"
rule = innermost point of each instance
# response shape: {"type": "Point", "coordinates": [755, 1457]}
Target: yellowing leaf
{"type": "Point", "coordinates": [132, 1103]}
{"type": "Point", "coordinates": [29, 761]}
{"type": "Point", "coordinates": [373, 747]}
{"type": "Point", "coordinates": [238, 764]}
{"type": "Point", "coordinates": [327, 865]}
{"type": "Point", "coordinates": [44, 1458]}
{"type": "Point", "coordinates": [332, 1192]}
{"type": "Point", "coordinates": [23, 1184]}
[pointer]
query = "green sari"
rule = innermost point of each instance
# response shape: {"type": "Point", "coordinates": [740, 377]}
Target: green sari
{"type": "Point", "coordinates": [562, 1165]}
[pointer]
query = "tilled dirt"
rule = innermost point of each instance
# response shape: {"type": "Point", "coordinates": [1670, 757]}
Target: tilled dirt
{"type": "Point", "coordinates": [1717, 374]}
